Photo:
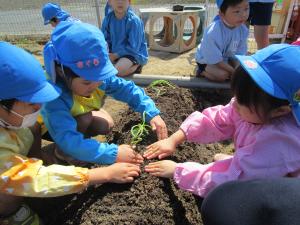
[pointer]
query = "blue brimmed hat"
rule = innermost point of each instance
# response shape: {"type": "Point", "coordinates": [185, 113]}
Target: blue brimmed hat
{"type": "Point", "coordinates": [276, 69]}
{"type": "Point", "coordinates": [22, 77]}
{"type": "Point", "coordinates": [51, 10]}
{"type": "Point", "coordinates": [219, 3]}
{"type": "Point", "coordinates": [82, 48]}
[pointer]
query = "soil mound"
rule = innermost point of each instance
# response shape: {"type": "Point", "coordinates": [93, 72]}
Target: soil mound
{"type": "Point", "coordinates": [148, 200]}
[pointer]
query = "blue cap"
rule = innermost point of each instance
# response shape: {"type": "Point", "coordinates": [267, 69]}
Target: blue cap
{"type": "Point", "coordinates": [276, 70]}
{"type": "Point", "coordinates": [82, 48]}
{"type": "Point", "coordinates": [219, 3]}
{"type": "Point", "coordinates": [22, 77]}
{"type": "Point", "coordinates": [51, 10]}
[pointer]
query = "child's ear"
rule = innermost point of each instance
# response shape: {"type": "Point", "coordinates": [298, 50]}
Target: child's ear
{"type": "Point", "coordinates": [221, 14]}
{"type": "Point", "coordinates": [281, 111]}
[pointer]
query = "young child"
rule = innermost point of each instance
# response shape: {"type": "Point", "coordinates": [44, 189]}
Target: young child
{"type": "Point", "coordinates": [78, 61]}
{"type": "Point", "coordinates": [23, 88]}
{"type": "Point", "coordinates": [225, 37]}
{"type": "Point", "coordinates": [260, 17]}
{"type": "Point", "coordinates": [260, 119]}
{"type": "Point", "coordinates": [53, 14]}
{"type": "Point", "coordinates": [124, 33]}
{"type": "Point", "coordinates": [108, 7]}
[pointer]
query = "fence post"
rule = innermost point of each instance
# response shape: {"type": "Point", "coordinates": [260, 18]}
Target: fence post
{"type": "Point", "coordinates": [206, 13]}
{"type": "Point", "coordinates": [97, 4]}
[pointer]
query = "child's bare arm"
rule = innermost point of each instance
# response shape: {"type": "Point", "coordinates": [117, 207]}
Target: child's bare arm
{"type": "Point", "coordinates": [116, 173]}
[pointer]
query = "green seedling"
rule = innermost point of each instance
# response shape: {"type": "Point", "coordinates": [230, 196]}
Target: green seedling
{"type": "Point", "coordinates": [139, 131]}
{"type": "Point", "coordinates": [161, 83]}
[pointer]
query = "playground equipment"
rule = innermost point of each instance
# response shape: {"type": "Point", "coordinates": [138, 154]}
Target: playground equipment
{"type": "Point", "coordinates": [173, 35]}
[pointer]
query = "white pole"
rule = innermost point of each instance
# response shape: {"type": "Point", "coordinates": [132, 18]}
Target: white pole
{"type": "Point", "coordinates": [97, 5]}
{"type": "Point", "coordinates": [181, 81]}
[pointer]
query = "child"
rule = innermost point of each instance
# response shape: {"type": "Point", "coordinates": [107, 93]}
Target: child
{"type": "Point", "coordinates": [124, 33]}
{"type": "Point", "coordinates": [53, 14]}
{"type": "Point", "coordinates": [77, 59]}
{"type": "Point", "coordinates": [108, 7]}
{"type": "Point", "coordinates": [222, 39]}
{"type": "Point", "coordinates": [23, 88]}
{"type": "Point", "coordinates": [259, 119]}
{"type": "Point", "coordinates": [260, 17]}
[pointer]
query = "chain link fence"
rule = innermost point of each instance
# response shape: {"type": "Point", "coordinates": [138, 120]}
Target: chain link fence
{"type": "Point", "coordinates": [23, 17]}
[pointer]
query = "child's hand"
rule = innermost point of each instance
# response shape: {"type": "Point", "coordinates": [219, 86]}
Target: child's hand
{"type": "Point", "coordinates": [127, 154]}
{"type": "Point", "coordinates": [160, 149]}
{"type": "Point", "coordinates": [164, 168]}
{"type": "Point", "coordinates": [113, 57]}
{"type": "Point", "coordinates": [159, 126]}
{"type": "Point", "coordinates": [115, 173]}
{"type": "Point", "coordinates": [123, 172]}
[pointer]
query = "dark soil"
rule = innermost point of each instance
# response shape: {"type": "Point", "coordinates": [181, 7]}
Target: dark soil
{"type": "Point", "coordinates": [148, 200]}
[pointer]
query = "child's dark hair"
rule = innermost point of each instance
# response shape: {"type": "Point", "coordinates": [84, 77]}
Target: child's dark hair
{"type": "Point", "coordinates": [65, 74]}
{"type": "Point", "coordinates": [54, 20]}
{"type": "Point", "coordinates": [249, 94]}
{"type": "Point", "coordinates": [8, 103]}
{"type": "Point", "coordinates": [227, 3]}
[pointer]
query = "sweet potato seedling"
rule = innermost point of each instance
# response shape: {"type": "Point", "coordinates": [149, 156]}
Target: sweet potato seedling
{"type": "Point", "coordinates": [139, 131]}
{"type": "Point", "coordinates": [158, 86]}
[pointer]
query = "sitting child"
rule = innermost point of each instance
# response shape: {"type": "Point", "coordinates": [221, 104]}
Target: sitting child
{"type": "Point", "coordinates": [261, 119]}
{"type": "Point", "coordinates": [78, 61]}
{"type": "Point", "coordinates": [53, 14]}
{"type": "Point", "coordinates": [225, 37]}
{"type": "Point", "coordinates": [23, 88]}
{"type": "Point", "coordinates": [124, 33]}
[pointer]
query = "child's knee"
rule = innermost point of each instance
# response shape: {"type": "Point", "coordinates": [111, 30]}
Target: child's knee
{"type": "Point", "coordinates": [84, 121]}
{"type": "Point", "coordinates": [111, 123]}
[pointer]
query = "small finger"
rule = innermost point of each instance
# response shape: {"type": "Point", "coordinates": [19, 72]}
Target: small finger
{"type": "Point", "coordinates": [151, 152]}
{"type": "Point", "coordinates": [129, 179]}
{"type": "Point", "coordinates": [163, 155]}
{"type": "Point", "coordinates": [152, 155]}
{"type": "Point", "coordinates": [153, 127]}
{"type": "Point", "coordinates": [157, 163]}
{"type": "Point", "coordinates": [150, 146]}
{"type": "Point", "coordinates": [133, 166]}
{"type": "Point", "coordinates": [152, 169]}
{"type": "Point", "coordinates": [133, 174]}
{"type": "Point", "coordinates": [137, 161]}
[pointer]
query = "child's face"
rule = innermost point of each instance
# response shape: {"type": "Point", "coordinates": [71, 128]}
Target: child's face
{"type": "Point", "coordinates": [84, 87]}
{"type": "Point", "coordinates": [119, 6]}
{"type": "Point", "coordinates": [22, 108]}
{"type": "Point", "coordinates": [236, 15]}
{"type": "Point", "coordinates": [247, 114]}
{"type": "Point", "coordinates": [53, 24]}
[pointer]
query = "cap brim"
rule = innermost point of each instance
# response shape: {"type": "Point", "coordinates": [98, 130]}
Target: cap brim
{"type": "Point", "coordinates": [46, 22]}
{"type": "Point", "coordinates": [98, 73]}
{"type": "Point", "coordinates": [46, 94]}
{"type": "Point", "coordinates": [260, 76]}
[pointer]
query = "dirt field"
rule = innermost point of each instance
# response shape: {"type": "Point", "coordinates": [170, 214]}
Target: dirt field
{"type": "Point", "coordinates": [148, 200]}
